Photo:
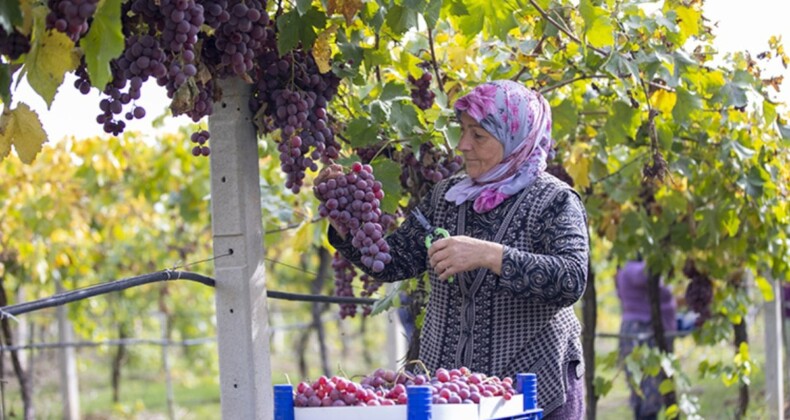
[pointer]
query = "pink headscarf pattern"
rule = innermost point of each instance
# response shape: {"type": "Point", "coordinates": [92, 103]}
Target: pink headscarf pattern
{"type": "Point", "coordinates": [521, 120]}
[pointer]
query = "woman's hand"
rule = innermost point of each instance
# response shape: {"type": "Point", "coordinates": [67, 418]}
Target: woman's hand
{"type": "Point", "coordinates": [456, 254]}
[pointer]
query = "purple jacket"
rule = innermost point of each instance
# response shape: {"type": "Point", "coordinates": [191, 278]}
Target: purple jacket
{"type": "Point", "coordinates": [632, 290]}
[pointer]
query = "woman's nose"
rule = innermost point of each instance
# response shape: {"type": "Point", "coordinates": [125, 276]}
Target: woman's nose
{"type": "Point", "coordinates": [464, 143]}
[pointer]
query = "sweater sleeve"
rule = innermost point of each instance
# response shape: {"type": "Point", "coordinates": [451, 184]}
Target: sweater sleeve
{"type": "Point", "coordinates": [407, 248]}
{"type": "Point", "coordinates": [557, 276]}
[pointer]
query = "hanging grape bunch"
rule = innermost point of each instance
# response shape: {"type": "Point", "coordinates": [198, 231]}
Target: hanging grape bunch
{"type": "Point", "coordinates": [13, 44]}
{"type": "Point", "coordinates": [421, 94]}
{"type": "Point", "coordinates": [200, 138]}
{"type": "Point", "coordinates": [344, 277]}
{"type": "Point", "coordinates": [699, 292]}
{"type": "Point", "coordinates": [71, 16]}
{"type": "Point", "coordinates": [352, 201]}
{"type": "Point", "coordinates": [430, 165]}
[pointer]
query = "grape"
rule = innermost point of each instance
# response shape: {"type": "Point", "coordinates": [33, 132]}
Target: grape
{"type": "Point", "coordinates": [386, 387]}
{"type": "Point", "coordinates": [344, 275]}
{"type": "Point", "coordinates": [70, 16]}
{"type": "Point", "coordinates": [14, 44]}
{"type": "Point", "coordinates": [421, 94]}
{"type": "Point", "coordinates": [699, 292]}
{"type": "Point", "coordinates": [342, 200]}
{"type": "Point", "coordinates": [559, 171]}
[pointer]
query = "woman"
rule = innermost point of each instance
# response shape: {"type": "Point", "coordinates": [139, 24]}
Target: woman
{"type": "Point", "coordinates": [636, 328]}
{"type": "Point", "coordinates": [517, 254]}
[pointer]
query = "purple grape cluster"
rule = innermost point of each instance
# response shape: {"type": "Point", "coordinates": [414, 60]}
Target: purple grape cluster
{"type": "Point", "coordinates": [386, 387]}
{"type": "Point", "coordinates": [291, 95]}
{"type": "Point", "coordinates": [699, 292]}
{"type": "Point", "coordinates": [215, 12]}
{"type": "Point", "coordinates": [344, 277]}
{"type": "Point", "coordinates": [71, 16]}
{"type": "Point", "coordinates": [242, 37]}
{"type": "Point", "coordinates": [200, 138]}
{"type": "Point", "coordinates": [431, 165]}
{"type": "Point", "coordinates": [559, 171]}
{"type": "Point", "coordinates": [421, 94]}
{"type": "Point", "coordinates": [353, 202]}
{"type": "Point", "coordinates": [13, 44]}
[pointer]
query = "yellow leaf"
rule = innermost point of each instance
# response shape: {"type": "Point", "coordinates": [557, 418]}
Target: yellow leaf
{"type": "Point", "coordinates": [689, 21]}
{"type": "Point", "coordinates": [322, 51]}
{"type": "Point", "coordinates": [348, 8]}
{"type": "Point", "coordinates": [22, 128]}
{"type": "Point", "coordinates": [51, 56]}
{"type": "Point", "coordinates": [663, 100]}
{"type": "Point", "coordinates": [579, 167]}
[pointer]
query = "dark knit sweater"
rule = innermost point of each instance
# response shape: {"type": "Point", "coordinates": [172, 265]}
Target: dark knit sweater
{"type": "Point", "coordinates": [520, 321]}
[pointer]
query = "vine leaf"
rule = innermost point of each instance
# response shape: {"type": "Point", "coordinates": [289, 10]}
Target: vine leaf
{"type": "Point", "coordinates": [579, 165]}
{"type": "Point", "coordinates": [348, 8]}
{"type": "Point", "coordinates": [51, 56]}
{"type": "Point", "coordinates": [322, 51]}
{"type": "Point", "coordinates": [21, 128]}
{"type": "Point", "coordinates": [10, 15]}
{"type": "Point", "coordinates": [103, 42]}
{"type": "Point", "coordinates": [598, 26]}
{"type": "Point", "coordinates": [295, 29]}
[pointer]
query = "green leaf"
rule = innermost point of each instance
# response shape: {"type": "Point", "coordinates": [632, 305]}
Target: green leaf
{"type": "Point", "coordinates": [731, 222]}
{"type": "Point", "coordinates": [103, 42]}
{"type": "Point", "coordinates": [388, 173]}
{"type": "Point", "coordinates": [565, 118]}
{"type": "Point", "coordinates": [393, 90]}
{"type": "Point", "coordinates": [621, 124]}
{"type": "Point", "coordinates": [51, 56]}
{"type": "Point", "coordinates": [404, 118]}
{"type": "Point", "coordinates": [783, 129]}
{"type": "Point", "coordinates": [295, 29]}
{"type": "Point", "coordinates": [598, 26]}
{"type": "Point", "coordinates": [361, 132]}
{"type": "Point", "coordinates": [302, 6]}
{"type": "Point", "coordinates": [602, 386]}
{"type": "Point", "coordinates": [742, 151]}
{"type": "Point", "coordinates": [495, 16]}
{"type": "Point", "coordinates": [432, 13]}
{"type": "Point", "coordinates": [687, 102]}
{"type": "Point", "coordinates": [21, 128]}
{"type": "Point", "coordinates": [765, 287]}
{"type": "Point", "coordinates": [10, 15]}
{"type": "Point", "coordinates": [5, 83]}
{"type": "Point", "coordinates": [667, 386]}
{"type": "Point", "coordinates": [401, 19]}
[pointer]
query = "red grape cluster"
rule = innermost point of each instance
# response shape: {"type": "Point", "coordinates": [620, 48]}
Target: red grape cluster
{"type": "Point", "coordinates": [344, 277]}
{"type": "Point", "coordinates": [71, 16]}
{"type": "Point", "coordinates": [699, 292]}
{"type": "Point", "coordinates": [215, 12]}
{"type": "Point", "coordinates": [292, 95]}
{"type": "Point", "coordinates": [13, 44]}
{"type": "Point", "coordinates": [421, 94]}
{"type": "Point", "coordinates": [200, 138]}
{"type": "Point", "coordinates": [386, 387]}
{"type": "Point", "coordinates": [353, 202]}
{"type": "Point", "coordinates": [432, 165]}
{"type": "Point", "coordinates": [242, 37]}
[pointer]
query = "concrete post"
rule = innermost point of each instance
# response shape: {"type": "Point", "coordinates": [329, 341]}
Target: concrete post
{"type": "Point", "coordinates": [69, 381]}
{"type": "Point", "coordinates": [242, 315]}
{"type": "Point", "coordinates": [774, 384]}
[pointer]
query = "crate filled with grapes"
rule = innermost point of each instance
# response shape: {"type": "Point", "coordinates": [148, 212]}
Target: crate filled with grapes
{"type": "Point", "coordinates": [449, 394]}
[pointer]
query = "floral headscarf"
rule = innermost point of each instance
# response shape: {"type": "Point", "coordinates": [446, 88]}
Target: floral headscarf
{"type": "Point", "coordinates": [521, 120]}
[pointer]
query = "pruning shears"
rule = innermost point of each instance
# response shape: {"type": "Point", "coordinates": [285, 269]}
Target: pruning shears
{"type": "Point", "coordinates": [433, 232]}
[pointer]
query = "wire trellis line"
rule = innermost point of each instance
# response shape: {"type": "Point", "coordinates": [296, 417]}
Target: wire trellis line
{"type": "Point", "coordinates": [167, 275]}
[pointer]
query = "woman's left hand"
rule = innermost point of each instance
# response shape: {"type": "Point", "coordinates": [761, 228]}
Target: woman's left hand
{"type": "Point", "coordinates": [456, 254]}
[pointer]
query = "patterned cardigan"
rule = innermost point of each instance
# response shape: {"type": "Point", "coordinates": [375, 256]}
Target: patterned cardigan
{"type": "Point", "coordinates": [520, 321]}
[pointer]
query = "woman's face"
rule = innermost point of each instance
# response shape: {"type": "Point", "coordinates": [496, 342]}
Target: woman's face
{"type": "Point", "coordinates": [481, 150]}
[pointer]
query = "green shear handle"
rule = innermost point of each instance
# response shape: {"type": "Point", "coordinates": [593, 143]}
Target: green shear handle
{"type": "Point", "coordinates": [429, 237]}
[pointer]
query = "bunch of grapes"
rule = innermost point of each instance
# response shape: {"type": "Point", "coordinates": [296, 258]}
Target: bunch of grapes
{"type": "Point", "coordinates": [71, 16]}
{"type": "Point", "coordinates": [13, 44]}
{"type": "Point", "coordinates": [291, 95]}
{"type": "Point", "coordinates": [344, 276]}
{"type": "Point", "coordinates": [559, 171]}
{"type": "Point", "coordinates": [431, 165]}
{"type": "Point", "coordinates": [353, 202]}
{"type": "Point", "coordinates": [421, 94]}
{"type": "Point", "coordinates": [699, 292]}
{"type": "Point", "coordinates": [215, 12]}
{"type": "Point", "coordinates": [242, 37]}
{"type": "Point", "coordinates": [386, 387]}
{"type": "Point", "coordinates": [200, 138]}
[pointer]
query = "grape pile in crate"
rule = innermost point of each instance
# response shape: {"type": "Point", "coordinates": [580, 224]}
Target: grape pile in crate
{"type": "Point", "coordinates": [386, 387]}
